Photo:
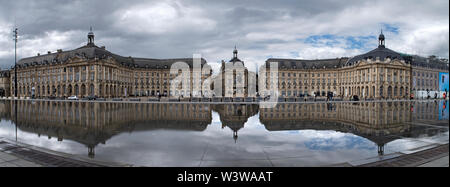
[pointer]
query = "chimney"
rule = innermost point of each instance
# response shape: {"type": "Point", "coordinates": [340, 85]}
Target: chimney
{"type": "Point", "coordinates": [39, 54]}
{"type": "Point", "coordinates": [48, 52]}
{"type": "Point", "coordinates": [103, 47]}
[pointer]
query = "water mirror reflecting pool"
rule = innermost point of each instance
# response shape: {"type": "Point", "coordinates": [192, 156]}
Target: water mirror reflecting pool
{"type": "Point", "coordinates": [176, 134]}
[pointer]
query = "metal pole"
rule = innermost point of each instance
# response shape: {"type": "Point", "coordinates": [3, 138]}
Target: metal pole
{"type": "Point", "coordinates": [15, 62]}
{"type": "Point", "coordinates": [15, 78]}
{"type": "Point", "coordinates": [15, 116]}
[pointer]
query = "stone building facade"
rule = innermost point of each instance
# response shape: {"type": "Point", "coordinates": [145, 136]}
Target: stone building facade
{"type": "Point", "coordinates": [4, 83]}
{"type": "Point", "coordinates": [425, 73]}
{"type": "Point", "coordinates": [234, 79]}
{"type": "Point", "coordinates": [380, 73]}
{"type": "Point", "coordinates": [93, 71]}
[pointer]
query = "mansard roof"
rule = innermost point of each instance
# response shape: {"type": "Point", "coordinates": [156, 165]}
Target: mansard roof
{"type": "Point", "coordinates": [4, 73]}
{"type": "Point", "coordinates": [430, 62]}
{"type": "Point", "coordinates": [307, 64]}
{"type": "Point", "coordinates": [382, 53]}
{"type": "Point", "coordinates": [93, 51]}
{"type": "Point", "coordinates": [235, 59]}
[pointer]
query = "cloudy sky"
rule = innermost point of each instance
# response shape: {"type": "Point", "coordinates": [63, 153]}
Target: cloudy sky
{"type": "Point", "coordinates": [260, 29]}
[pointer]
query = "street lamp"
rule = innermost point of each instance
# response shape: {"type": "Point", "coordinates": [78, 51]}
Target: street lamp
{"type": "Point", "coordinates": [15, 78]}
{"type": "Point", "coordinates": [15, 62]}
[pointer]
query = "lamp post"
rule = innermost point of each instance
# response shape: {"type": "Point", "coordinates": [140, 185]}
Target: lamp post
{"type": "Point", "coordinates": [15, 79]}
{"type": "Point", "coordinates": [15, 62]}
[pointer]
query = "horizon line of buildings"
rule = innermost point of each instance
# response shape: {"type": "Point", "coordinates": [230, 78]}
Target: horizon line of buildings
{"type": "Point", "coordinates": [93, 71]}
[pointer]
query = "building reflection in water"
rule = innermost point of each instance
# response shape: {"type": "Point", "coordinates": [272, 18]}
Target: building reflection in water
{"type": "Point", "coordinates": [92, 124]}
{"type": "Point", "coordinates": [379, 122]}
{"type": "Point", "coordinates": [234, 116]}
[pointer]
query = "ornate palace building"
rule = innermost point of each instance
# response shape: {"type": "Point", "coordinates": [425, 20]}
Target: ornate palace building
{"type": "Point", "coordinates": [234, 79]}
{"type": "Point", "coordinates": [93, 71]}
{"type": "Point", "coordinates": [380, 73]}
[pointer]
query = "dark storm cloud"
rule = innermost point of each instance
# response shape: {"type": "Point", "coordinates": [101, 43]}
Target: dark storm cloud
{"type": "Point", "coordinates": [167, 29]}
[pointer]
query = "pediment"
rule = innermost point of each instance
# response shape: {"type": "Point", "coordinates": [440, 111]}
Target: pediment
{"type": "Point", "coordinates": [74, 59]}
{"type": "Point", "coordinates": [399, 63]}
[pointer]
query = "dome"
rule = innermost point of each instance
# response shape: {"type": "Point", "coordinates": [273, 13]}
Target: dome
{"type": "Point", "coordinates": [382, 53]}
{"type": "Point", "coordinates": [235, 56]}
{"type": "Point", "coordinates": [91, 33]}
{"type": "Point", "coordinates": [381, 37]}
{"type": "Point", "coordinates": [91, 37]}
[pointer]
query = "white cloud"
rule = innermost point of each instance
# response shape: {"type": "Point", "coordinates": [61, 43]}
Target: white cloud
{"type": "Point", "coordinates": [50, 41]}
{"type": "Point", "coordinates": [6, 39]}
{"type": "Point", "coordinates": [427, 40]}
{"type": "Point", "coordinates": [163, 17]}
{"type": "Point", "coordinates": [170, 29]}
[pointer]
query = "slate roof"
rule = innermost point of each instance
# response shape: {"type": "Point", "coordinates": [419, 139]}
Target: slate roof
{"type": "Point", "coordinates": [92, 51]}
{"type": "Point", "coordinates": [414, 60]}
{"type": "Point", "coordinates": [4, 73]}
{"type": "Point", "coordinates": [308, 64]}
{"type": "Point", "coordinates": [381, 52]}
{"type": "Point", "coordinates": [235, 59]}
{"type": "Point", "coordinates": [429, 62]}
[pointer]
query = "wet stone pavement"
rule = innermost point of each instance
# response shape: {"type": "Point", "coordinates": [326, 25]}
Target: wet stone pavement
{"type": "Point", "coordinates": [421, 158]}
{"type": "Point", "coordinates": [13, 155]}
{"type": "Point", "coordinates": [21, 155]}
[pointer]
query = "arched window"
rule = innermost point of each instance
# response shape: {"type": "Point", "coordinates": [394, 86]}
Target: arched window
{"type": "Point", "coordinates": [389, 91]}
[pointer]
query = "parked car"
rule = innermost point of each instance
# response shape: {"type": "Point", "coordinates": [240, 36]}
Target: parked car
{"type": "Point", "coordinates": [74, 97]}
{"type": "Point", "coordinates": [92, 98]}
